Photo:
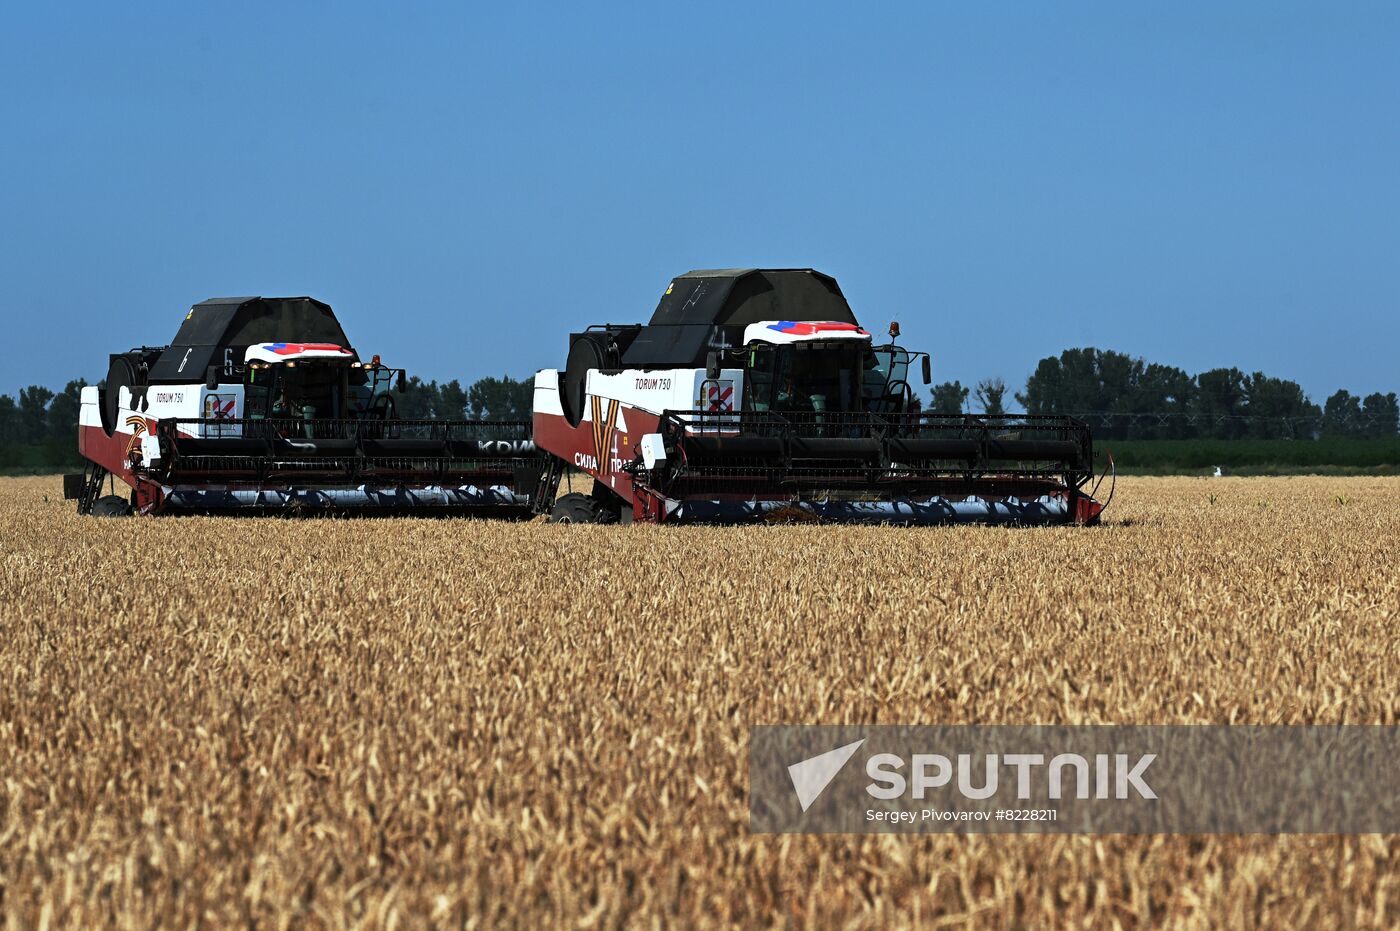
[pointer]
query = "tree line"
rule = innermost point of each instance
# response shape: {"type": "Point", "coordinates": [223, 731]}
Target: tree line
{"type": "Point", "coordinates": [40, 416]}
{"type": "Point", "coordinates": [490, 398]}
{"type": "Point", "coordinates": [1129, 398]}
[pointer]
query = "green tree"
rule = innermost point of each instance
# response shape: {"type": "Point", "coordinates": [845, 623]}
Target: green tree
{"type": "Point", "coordinates": [1080, 384]}
{"type": "Point", "coordinates": [454, 400]}
{"type": "Point", "coordinates": [990, 392]}
{"type": "Point", "coordinates": [9, 421]}
{"type": "Point", "coordinates": [1341, 415]}
{"type": "Point", "coordinates": [502, 398]}
{"type": "Point", "coordinates": [490, 398]}
{"type": "Point", "coordinates": [1168, 391]}
{"type": "Point", "coordinates": [1219, 401]}
{"type": "Point", "coordinates": [1089, 380]}
{"type": "Point", "coordinates": [1382, 413]}
{"type": "Point", "coordinates": [418, 401]}
{"type": "Point", "coordinates": [63, 412]}
{"type": "Point", "coordinates": [949, 398]}
{"type": "Point", "coordinates": [1044, 389]}
{"type": "Point", "coordinates": [1278, 408]}
{"type": "Point", "coordinates": [34, 413]}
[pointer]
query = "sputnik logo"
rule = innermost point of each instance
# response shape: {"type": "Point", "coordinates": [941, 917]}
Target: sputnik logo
{"type": "Point", "coordinates": [811, 776]}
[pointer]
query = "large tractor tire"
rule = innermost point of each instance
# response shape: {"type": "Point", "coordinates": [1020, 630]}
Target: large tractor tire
{"type": "Point", "coordinates": [586, 354]}
{"type": "Point", "coordinates": [122, 373]}
{"type": "Point", "coordinates": [111, 506]}
{"type": "Point", "coordinates": [578, 508]}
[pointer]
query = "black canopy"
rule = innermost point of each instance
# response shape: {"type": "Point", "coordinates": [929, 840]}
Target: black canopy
{"type": "Point", "coordinates": [709, 308]}
{"type": "Point", "coordinates": [236, 323]}
{"type": "Point", "coordinates": [740, 296]}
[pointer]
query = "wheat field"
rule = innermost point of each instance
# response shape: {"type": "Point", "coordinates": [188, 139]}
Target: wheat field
{"type": "Point", "coordinates": [393, 723]}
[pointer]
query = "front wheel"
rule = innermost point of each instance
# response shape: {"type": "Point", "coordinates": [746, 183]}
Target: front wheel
{"type": "Point", "coordinates": [111, 506]}
{"type": "Point", "coordinates": [578, 508]}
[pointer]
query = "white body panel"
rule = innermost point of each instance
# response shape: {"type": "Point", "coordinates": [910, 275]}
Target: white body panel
{"type": "Point", "coordinates": [651, 391]}
{"type": "Point", "coordinates": [663, 390]}
{"type": "Point", "coordinates": [547, 393]}
{"type": "Point", "coordinates": [166, 401]}
{"type": "Point", "coordinates": [88, 415]}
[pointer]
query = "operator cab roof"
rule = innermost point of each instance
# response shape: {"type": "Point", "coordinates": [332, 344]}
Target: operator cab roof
{"type": "Point", "coordinates": [787, 332]}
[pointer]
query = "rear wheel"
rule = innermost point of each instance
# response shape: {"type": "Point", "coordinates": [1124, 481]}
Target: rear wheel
{"type": "Point", "coordinates": [111, 506]}
{"type": "Point", "coordinates": [578, 508]}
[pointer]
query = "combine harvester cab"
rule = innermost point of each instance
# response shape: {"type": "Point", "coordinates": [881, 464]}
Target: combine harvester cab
{"type": "Point", "coordinates": [754, 394]}
{"type": "Point", "coordinates": [261, 405]}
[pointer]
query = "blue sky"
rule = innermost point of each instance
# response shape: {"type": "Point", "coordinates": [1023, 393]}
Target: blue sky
{"type": "Point", "coordinates": [1202, 186]}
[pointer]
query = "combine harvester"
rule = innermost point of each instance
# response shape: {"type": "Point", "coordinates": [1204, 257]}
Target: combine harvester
{"type": "Point", "coordinates": [261, 405]}
{"type": "Point", "coordinates": [754, 394]}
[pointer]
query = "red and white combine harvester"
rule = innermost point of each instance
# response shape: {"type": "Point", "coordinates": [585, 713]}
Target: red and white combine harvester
{"type": "Point", "coordinates": [754, 394]}
{"type": "Point", "coordinates": [260, 404]}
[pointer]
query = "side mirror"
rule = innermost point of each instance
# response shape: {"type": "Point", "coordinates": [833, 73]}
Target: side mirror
{"type": "Point", "coordinates": [928, 371]}
{"type": "Point", "coordinates": [401, 384]}
{"type": "Point", "coordinates": [211, 377]}
{"type": "Point", "coordinates": [712, 365]}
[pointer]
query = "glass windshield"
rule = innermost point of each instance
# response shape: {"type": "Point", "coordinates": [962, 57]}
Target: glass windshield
{"type": "Point", "coordinates": [310, 391]}
{"type": "Point", "coordinates": [801, 377]}
{"type": "Point", "coordinates": [820, 377]}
